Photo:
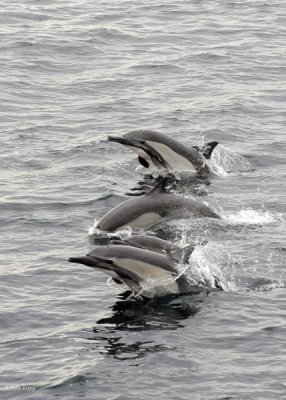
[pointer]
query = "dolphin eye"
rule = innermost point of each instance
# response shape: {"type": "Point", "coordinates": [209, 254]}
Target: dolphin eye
{"type": "Point", "coordinates": [109, 262]}
{"type": "Point", "coordinates": [143, 162]}
{"type": "Point", "coordinates": [142, 141]}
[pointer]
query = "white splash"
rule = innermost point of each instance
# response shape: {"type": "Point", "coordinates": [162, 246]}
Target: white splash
{"type": "Point", "coordinates": [210, 264]}
{"type": "Point", "coordinates": [253, 217]}
{"type": "Point", "coordinates": [123, 233]}
{"type": "Point", "coordinates": [225, 161]}
{"type": "Point", "coordinates": [93, 230]}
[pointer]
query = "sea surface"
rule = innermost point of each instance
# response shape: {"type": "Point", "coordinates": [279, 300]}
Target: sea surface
{"type": "Point", "coordinates": [72, 73]}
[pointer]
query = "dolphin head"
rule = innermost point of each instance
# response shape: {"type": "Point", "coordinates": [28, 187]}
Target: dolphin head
{"type": "Point", "coordinates": [147, 155]}
{"type": "Point", "coordinates": [100, 257]}
{"type": "Point", "coordinates": [136, 143]}
{"type": "Point", "coordinates": [92, 261]}
{"type": "Point", "coordinates": [112, 221]}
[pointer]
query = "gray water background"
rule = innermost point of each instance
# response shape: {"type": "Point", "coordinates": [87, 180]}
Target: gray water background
{"type": "Point", "coordinates": [73, 72]}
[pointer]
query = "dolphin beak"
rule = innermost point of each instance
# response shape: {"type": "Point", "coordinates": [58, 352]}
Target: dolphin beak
{"type": "Point", "coordinates": [91, 261]}
{"type": "Point", "coordinates": [128, 142]}
{"type": "Point", "coordinates": [121, 140]}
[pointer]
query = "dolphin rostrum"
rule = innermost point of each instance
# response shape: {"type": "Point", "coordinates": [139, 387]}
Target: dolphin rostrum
{"type": "Point", "coordinates": [145, 272]}
{"type": "Point", "coordinates": [151, 209]}
{"type": "Point", "coordinates": [157, 152]}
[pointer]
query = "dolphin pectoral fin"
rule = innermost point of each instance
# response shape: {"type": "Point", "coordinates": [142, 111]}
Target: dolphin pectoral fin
{"type": "Point", "coordinates": [128, 277]}
{"type": "Point", "coordinates": [208, 148]}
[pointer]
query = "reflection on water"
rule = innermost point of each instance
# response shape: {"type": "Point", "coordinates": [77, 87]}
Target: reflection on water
{"type": "Point", "coordinates": [115, 348]}
{"type": "Point", "coordinates": [162, 313]}
{"type": "Point", "coordinates": [110, 335]}
{"type": "Point", "coordinates": [186, 185]}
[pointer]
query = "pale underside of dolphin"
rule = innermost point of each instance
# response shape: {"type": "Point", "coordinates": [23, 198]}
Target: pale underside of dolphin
{"type": "Point", "coordinates": [145, 272]}
{"type": "Point", "coordinates": [158, 152]}
{"type": "Point", "coordinates": [151, 209]}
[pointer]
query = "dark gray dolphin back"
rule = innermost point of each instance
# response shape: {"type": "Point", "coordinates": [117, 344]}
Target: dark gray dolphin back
{"type": "Point", "coordinates": [158, 204]}
{"type": "Point", "coordinates": [179, 254]}
{"type": "Point", "coordinates": [154, 244]}
{"type": "Point", "coordinates": [111, 252]}
{"type": "Point", "coordinates": [172, 205]}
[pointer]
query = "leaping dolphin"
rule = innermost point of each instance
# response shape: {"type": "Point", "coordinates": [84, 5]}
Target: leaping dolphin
{"type": "Point", "coordinates": [157, 152]}
{"type": "Point", "coordinates": [145, 272]}
{"type": "Point", "coordinates": [152, 243]}
{"type": "Point", "coordinates": [178, 254]}
{"type": "Point", "coordinates": [151, 209]}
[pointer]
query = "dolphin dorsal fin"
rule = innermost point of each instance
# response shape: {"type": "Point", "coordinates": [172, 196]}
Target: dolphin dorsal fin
{"type": "Point", "coordinates": [160, 186]}
{"type": "Point", "coordinates": [209, 148]}
{"type": "Point", "coordinates": [187, 251]}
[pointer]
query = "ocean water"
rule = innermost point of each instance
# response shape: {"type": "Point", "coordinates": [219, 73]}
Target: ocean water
{"type": "Point", "coordinates": [74, 72]}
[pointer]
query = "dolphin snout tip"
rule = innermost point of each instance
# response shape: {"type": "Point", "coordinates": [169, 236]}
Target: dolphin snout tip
{"type": "Point", "coordinates": [120, 139]}
{"type": "Point", "coordinates": [114, 139]}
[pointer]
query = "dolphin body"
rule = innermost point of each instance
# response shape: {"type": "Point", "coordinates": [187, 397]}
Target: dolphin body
{"type": "Point", "coordinates": [177, 253]}
{"type": "Point", "coordinates": [158, 152]}
{"type": "Point", "coordinates": [146, 273]}
{"type": "Point", "coordinates": [151, 209]}
{"type": "Point", "coordinates": [152, 243]}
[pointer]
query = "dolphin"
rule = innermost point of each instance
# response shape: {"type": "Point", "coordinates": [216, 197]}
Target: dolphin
{"type": "Point", "coordinates": [158, 152]}
{"type": "Point", "coordinates": [179, 254]}
{"type": "Point", "coordinates": [146, 273]}
{"type": "Point", "coordinates": [148, 210]}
